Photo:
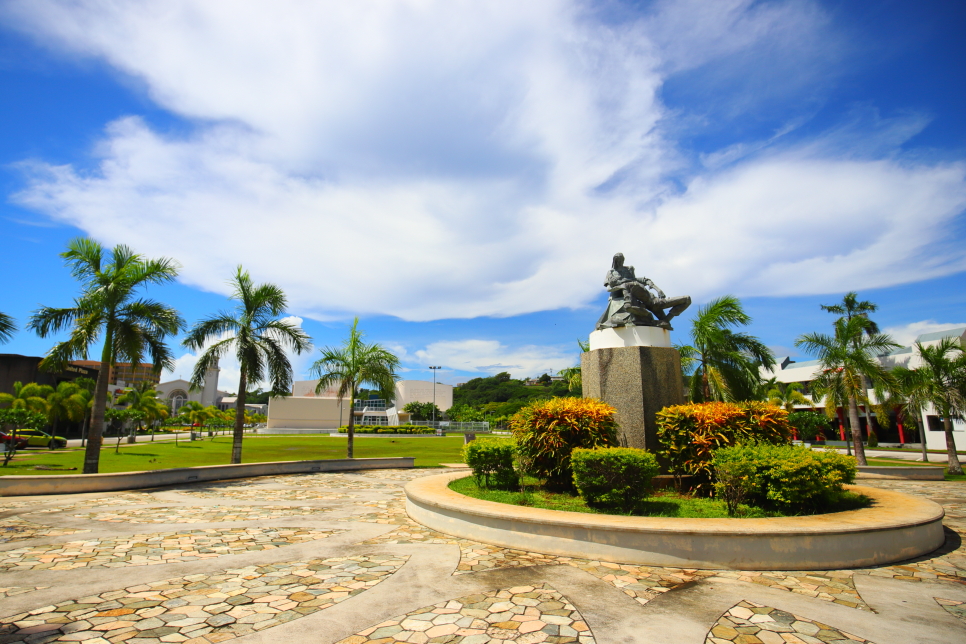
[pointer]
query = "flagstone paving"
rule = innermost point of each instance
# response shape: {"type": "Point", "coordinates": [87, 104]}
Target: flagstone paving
{"type": "Point", "coordinates": [456, 591]}
{"type": "Point", "coordinates": [216, 607]}
{"type": "Point", "coordinates": [751, 623]}
{"type": "Point", "coordinates": [209, 514]}
{"type": "Point", "coordinates": [525, 614]}
{"type": "Point", "coordinates": [13, 529]}
{"type": "Point", "coordinates": [154, 549]}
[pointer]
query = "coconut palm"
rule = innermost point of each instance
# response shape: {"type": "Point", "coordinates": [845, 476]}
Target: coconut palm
{"type": "Point", "coordinates": [109, 311]}
{"type": "Point", "coordinates": [352, 364]}
{"type": "Point", "coordinates": [67, 402]}
{"type": "Point", "coordinates": [943, 384]}
{"type": "Point", "coordinates": [258, 339]}
{"type": "Point", "coordinates": [142, 397]}
{"type": "Point", "coordinates": [908, 399]}
{"type": "Point", "coordinates": [7, 327]}
{"type": "Point", "coordinates": [787, 396]}
{"type": "Point", "coordinates": [851, 307]}
{"type": "Point", "coordinates": [723, 363]}
{"type": "Point", "coordinates": [848, 359]}
{"type": "Point", "coordinates": [30, 396]}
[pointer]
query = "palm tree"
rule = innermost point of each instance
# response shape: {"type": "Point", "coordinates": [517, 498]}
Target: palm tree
{"type": "Point", "coordinates": [30, 396]}
{"type": "Point", "coordinates": [7, 327]}
{"type": "Point", "coordinates": [353, 364]}
{"type": "Point", "coordinates": [908, 398]}
{"type": "Point", "coordinates": [108, 309]}
{"type": "Point", "coordinates": [851, 307]}
{"type": "Point", "coordinates": [142, 397]}
{"type": "Point", "coordinates": [572, 375]}
{"type": "Point", "coordinates": [787, 396]}
{"type": "Point", "coordinates": [944, 385]}
{"type": "Point", "coordinates": [723, 363]}
{"type": "Point", "coordinates": [848, 358]}
{"type": "Point", "coordinates": [67, 402]}
{"type": "Point", "coordinates": [259, 340]}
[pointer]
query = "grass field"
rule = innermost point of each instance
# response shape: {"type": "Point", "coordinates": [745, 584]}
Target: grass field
{"type": "Point", "coordinates": [429, 452]}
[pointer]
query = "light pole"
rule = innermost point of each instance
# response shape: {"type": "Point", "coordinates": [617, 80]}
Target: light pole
{"type": "Point", "coordinates": [434, 394]}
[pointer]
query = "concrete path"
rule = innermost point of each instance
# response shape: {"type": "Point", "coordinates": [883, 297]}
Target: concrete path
{"type": "Point", "coordinates": [328, 558]}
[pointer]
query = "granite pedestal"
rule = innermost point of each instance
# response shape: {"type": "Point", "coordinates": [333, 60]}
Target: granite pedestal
{"type": "Point", "coordinates": [636, 380]}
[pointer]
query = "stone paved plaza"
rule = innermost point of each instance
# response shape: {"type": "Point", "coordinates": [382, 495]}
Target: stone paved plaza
{"type": "Point", "coordinates": [329, 558]}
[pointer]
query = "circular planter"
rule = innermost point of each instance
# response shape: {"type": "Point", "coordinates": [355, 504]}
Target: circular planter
{"type": "Point", "coordinates": [896, 527]}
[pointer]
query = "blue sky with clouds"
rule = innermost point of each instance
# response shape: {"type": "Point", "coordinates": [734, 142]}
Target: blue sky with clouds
{"type": "Point", "coordinates": [458, 174]}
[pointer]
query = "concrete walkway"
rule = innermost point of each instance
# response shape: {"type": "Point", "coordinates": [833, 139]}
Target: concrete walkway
{"type": "Point", "coordinates": [329, 558]}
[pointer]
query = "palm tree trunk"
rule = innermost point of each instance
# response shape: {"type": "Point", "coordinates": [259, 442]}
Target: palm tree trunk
{"type": "Point", "coordinates": [352, 421]}
{"type": "Point", "coordinates": [856, 432]}
{"type": "Point", "coordinates": [92, 454]}
{"type": "Point", "coordinates": [954, 466]}
{"type": "Point", "coordinates": [236, 444]}
{"type": "Point", "coordinates": [705, 387]}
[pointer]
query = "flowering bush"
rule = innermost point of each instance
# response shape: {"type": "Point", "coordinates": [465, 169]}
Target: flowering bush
{"type": "Point", "coordinates": [689, 434]}
{"type": "Point", "coordinates": [548, 431]}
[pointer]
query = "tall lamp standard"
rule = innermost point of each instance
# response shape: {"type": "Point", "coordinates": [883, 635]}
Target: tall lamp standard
{"type": "Point", "coordinates": [434, 394]}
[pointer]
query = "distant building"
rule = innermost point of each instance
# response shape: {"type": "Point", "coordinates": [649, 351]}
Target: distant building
{"type": "Point", "coordinates": [18, 368]}
{"type": "Point", "coordinates": [124, 374]}
{"type": "Point", "coordinates": [787, 370]}
{"type": "Point", "coordinates": [305, 409]}
{"type": "Point", "coordinates": [178, 392]}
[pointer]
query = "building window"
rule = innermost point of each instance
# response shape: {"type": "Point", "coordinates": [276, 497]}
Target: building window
{"type": "Point", "coordinates": [935, 424]}
{"type": "Point", "coordinates": [375, 420]}
{"type": "Point", "coordinates": [178, 399]}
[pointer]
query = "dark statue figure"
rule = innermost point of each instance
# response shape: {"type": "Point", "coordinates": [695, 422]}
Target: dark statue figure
{"type": "Point", "coordinates": [637, 302]}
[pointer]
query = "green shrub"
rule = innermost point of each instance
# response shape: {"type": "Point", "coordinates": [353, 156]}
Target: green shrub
{"type": "Point", "coordinates": [689, 434]}
{"type": "Point", "coordinates": [808, 425]}
{"type": "Point", "coordinates": [873, 439]}
{"type": "Point", "coordinates": [789, 478]}
{"type": "Point", "coordinates": [615, 478]}
{"type": "Point", "coordinates": [388, 429]}
{"type": "Point", "coordinates": [492, 463]}
{"type": "Point", "coordinates": [547, 431]}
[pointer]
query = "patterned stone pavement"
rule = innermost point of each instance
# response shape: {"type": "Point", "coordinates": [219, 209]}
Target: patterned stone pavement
{"type": "Point", "coordinates": [209, 514]}
{"type": "Point", "coordinates": [19, 530]}
{"type": "Point", "coordinates": [153, 549]}
{"type": "Point", "coordinates": [438, 588]}
{"type": "Point", "coordinates": [214, 607]}
{"type": "Point", "coordinates": [751, 623]}
{"type": "Point", "coordinates": [525, 614]}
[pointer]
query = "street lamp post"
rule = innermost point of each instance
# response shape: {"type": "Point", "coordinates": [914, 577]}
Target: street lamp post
{"type": "Point", "coordinates": [434, 396]}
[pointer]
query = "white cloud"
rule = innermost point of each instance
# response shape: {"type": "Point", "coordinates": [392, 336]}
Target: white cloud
{"type": "Point", "coordinates": [488, 357]}
{"type": "Point", "coordinates": [906, 334]}
{"type": "Point", "coordinates": [436, 159]}
{"type": "Point", "coordinates": [229, 375]}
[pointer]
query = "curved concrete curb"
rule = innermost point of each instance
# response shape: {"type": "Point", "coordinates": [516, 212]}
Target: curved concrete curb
{"type": "Point", "coordinates": [910, 472]}
{"type": "Point", "coordinates": [77, 483]}
{"type": "Point", "coordinates": [896, 527]}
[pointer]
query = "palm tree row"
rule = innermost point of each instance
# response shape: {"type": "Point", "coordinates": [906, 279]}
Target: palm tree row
{"type": "Point", "coordinates": [68, 401]}
{"type": "Point", "coordinates": [130, 328]}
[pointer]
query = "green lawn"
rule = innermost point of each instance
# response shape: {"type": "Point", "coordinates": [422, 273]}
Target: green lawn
{"type": "Point", "coordinates": [660, 504]}
{"type": "Point", "coordinates": [896, 462]}
{"type": "Point", "coordinates": [429, 452]}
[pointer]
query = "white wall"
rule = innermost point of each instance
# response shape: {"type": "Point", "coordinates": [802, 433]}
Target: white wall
{"type": "Point", "coordinates": [300, 412]}
{"type": "Point", "coordinates": [408, 391]}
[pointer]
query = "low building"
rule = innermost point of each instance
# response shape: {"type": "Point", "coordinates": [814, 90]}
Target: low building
{"type": "Point", "coordinates": [788, 371]}
{"type": "Point", "coordinates": [176, 393]}
{"type": "Point", "coordinates": [25, 369]}
{"type": "Point", "coordinates": [306, 409]}
{"type": "Point", "coordinates": [125, 374]}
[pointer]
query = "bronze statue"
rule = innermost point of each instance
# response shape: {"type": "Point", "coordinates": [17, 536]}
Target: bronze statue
{"type": "Point", "coordinates": [632, 302]}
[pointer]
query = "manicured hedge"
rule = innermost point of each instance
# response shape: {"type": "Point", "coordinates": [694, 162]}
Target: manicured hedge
{"type": "Point", "coordinates": [689, 434]}
{"type": "Point", "coordinates": [388, 429]}
{"type": "Point", "coordinates": [492, 463]}
{"type": "Point", "coordinates": [547, 431]}
{"type": "Point", "coordinates": [788, 478]}
{"type": "Point", "coordinates": [615, 478]}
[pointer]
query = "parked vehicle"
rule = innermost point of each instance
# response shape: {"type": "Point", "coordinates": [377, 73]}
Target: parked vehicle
{"type": "Point", "coordinates": [37, 438]}
{"type": "Point", "coordinates": [19, 443]}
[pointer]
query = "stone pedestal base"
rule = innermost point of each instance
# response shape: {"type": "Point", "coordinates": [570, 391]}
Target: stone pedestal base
{"type": "Point", "coordinates": [638, 382]}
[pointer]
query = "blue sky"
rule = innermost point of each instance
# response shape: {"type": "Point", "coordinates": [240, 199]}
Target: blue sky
{"type": "Point", "coordinates": [458, 174]}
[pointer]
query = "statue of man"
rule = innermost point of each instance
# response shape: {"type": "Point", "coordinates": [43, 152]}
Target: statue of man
{"type": "Point", "coordinates": [632, 302]}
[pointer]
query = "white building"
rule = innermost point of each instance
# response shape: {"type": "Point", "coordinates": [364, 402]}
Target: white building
{"type": "Point", "coordinates": [178, 392]}
{"type": "Point", "coordinates": [787, 371]}
{"type": "Point", "coordinates": [305, 409]}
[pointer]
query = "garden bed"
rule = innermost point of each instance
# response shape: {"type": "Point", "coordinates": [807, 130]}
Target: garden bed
{"type": "Point", "coordinates": [895, 527]}
{"type": "Point", "coordinates": [663, 503]}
